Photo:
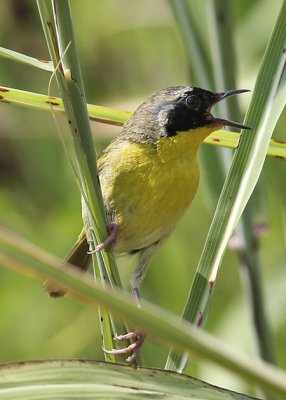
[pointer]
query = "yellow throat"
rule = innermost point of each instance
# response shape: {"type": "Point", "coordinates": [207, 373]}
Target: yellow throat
{"type": "Point", "coordinates": [151, 187]}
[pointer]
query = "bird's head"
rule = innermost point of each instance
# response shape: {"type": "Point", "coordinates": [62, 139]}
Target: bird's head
{"type": "Point", "coordinates": [176, 109]}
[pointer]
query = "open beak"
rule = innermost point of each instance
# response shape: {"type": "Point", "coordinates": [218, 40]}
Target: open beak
{"type": "Point", "coordinates": [221, 96]}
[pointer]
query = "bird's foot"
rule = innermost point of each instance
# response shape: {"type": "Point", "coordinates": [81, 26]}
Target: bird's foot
{"type": "Point", "coordinates": [133, 348]}
{"type": "Point", "coordinates": [112, 230]}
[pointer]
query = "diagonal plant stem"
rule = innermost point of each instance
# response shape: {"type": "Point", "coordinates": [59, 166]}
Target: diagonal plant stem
{"type": "Point", "coordinates": [245, 170]}
{"type": "Point", "coordinates": [26, 258]}
{"type": "Point", "coordinates": [247, 243]}
{"type": "Point", "coordinates": [57, 25]}
{"type": "Point", "coordinates": [34, 62]}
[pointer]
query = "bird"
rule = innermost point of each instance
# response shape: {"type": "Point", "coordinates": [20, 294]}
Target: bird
{"type": "Point", "coordinates": [149, 175]}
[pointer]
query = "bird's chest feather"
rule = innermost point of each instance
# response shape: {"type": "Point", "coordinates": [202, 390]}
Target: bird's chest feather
{"type": "Point", "coordinates": [147, 189]}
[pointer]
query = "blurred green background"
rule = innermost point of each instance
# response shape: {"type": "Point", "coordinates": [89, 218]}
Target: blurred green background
{"type": "Point", "coordinates": [128, 50]}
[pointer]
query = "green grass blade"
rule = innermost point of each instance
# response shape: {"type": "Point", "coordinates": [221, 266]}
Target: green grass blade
{"type": "Point", "coordinates": [43, 102]}
{"type": "Point", "coordinates": [22, 58]}
{"type": "Point", "coordinates": [221, 138]}
{"type": "Point", "coordinates": [221, 23]}
{"type": "Point", "coordinates": [86, 379]}
{"type": "Point", "coordinates": [243, 175]}
{"type": "Point", "coordinates": [163, 326]}
{"type": "Point", "coordinates": [57, 24]}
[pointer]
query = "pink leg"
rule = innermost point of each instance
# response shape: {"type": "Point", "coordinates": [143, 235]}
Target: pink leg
{"type": "Point", "coordinates": [112, 230]}
{"type": "Point", "coordinates": [133, 348]}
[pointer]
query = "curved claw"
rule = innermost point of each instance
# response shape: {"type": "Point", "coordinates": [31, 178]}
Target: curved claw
{"type": "Point", "coordinates": [133, 348]}
{"type": "Point", "coordinates": [112, 230]}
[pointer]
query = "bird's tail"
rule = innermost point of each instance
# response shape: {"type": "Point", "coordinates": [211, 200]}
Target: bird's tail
{"type": "Point", "coordinates": [78, 257]}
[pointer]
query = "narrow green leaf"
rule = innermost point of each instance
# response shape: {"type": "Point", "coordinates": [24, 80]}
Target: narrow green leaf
{"type": "Point", "coordinates": [55, 104]}
{"type": "Point", "coordinates": [163, 326]}
{"type": "Point", "coordinates": [22, 58]}
{"type": "Point", "coordinates": [243, 175]}
{"type": "Point", "coordinates": [221, 23]}
{"type": "Point", "coordinates": [57, 25]}
{"type": "Point", "coordinates": [112, 116]}
{"type": "Point", "coordinates": [86, 379]}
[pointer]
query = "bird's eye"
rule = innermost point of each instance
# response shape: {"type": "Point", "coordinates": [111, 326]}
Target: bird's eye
{"type": "Point", "coordinates": [193, 102]}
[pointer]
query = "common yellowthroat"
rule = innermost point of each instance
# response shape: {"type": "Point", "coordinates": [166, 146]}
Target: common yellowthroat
{"type": "Point", "coordinates": [149, 175]}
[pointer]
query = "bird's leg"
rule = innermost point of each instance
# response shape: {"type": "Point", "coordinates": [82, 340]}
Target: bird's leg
{"type": "Point", "coordinates": [112, 230]}
{"type": "Point", "coordinates": [133, 348]}
{"type": "Point", "coordinates": [139, 337]}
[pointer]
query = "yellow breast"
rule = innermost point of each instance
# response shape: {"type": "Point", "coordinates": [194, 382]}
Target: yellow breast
{"type": "Point", "coordinates": [148, 188]}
